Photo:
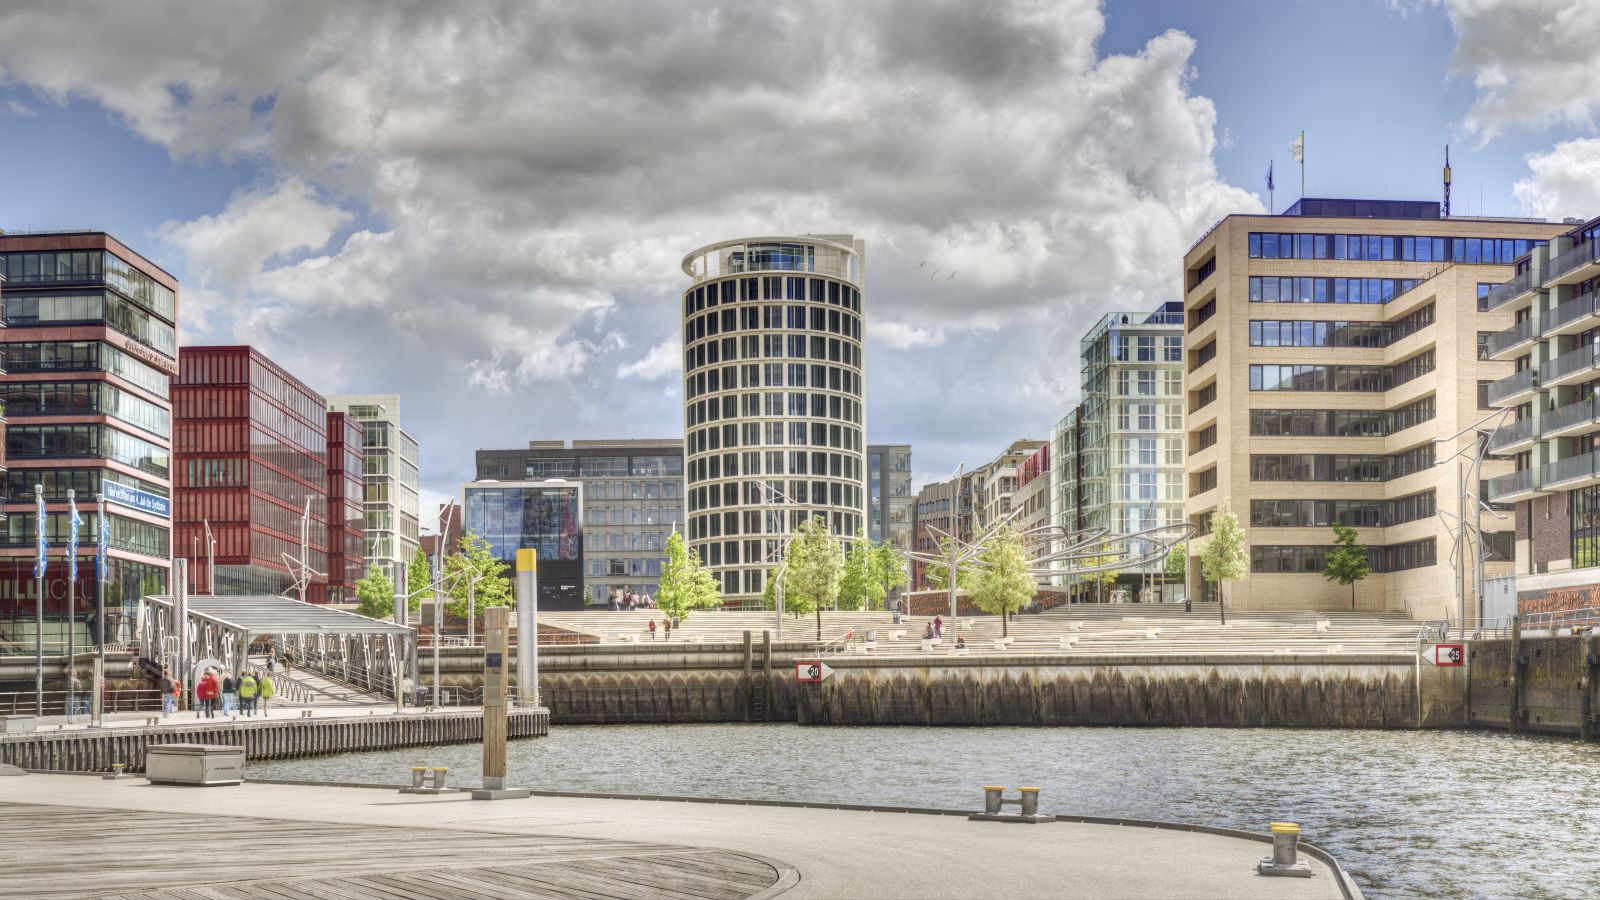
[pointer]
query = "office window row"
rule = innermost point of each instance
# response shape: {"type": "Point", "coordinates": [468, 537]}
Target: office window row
{"type": "Point", "coordinates": [1272, 289]}
{"type": "Point", "coordinates": [1386, 247]}
{"type": "Point", "coordinates": [70, 266]}
{"type": "Point", "coordinates": [19, 483]}
{"type": "Point", "coordinates": [84, 356]}
{"type": "Point", "coordinates": [797, 404]}
{"type": "Point", "coordinates": [1312, 560]}
{"type": "Point", "coordinates": [92, 441]}
{"type": "Point", "coordinates": [753, 462]}
{"type": "Point", "coordinates": [771, 346]}
{"type": "Point", "coordinates": [76, 398]}
{"type": "Point", "coordinates": [746, 290]}
{"type": "Point", "coordinates": [1350, 513]}
{"type": "Point", "coordinates": [1310, 333]}
{"type": "Point", "coordinates": [1273, 377]}
{"type": "Point", "coordinates": [1339, 422]}
{"type": "Point", "coordinates": [794, 317]}
{"type": "Point", "coordinates": [1367, 467]}
{"type": "Point", "coordinates": [126, 534]}
{"type": "Point", "coordinates": [772, 375]}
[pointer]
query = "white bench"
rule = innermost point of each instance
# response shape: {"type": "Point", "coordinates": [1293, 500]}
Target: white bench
{"type": "Point", "coordinates": [1066, 643]}
{"type": "Point", "coordinates": [898, 635]}
{"type": "Point", "coordinates": [626, 638]}
{"type": "Point", "coordinates": [1000, 643]}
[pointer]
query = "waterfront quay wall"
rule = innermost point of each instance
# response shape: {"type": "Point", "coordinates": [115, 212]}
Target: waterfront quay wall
{"type": "Point", "coordinates": [288, 738]}
{"type": "Point", "coordinates": [664, 683]}
{"type": "Point", "coordinates": [1538, 685]}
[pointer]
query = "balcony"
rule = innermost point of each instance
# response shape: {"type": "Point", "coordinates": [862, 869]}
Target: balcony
{"type": "Point", "coordinates": [1511, 437]}
{"type": "Point", "coordinates": [1568, 419]}
{"type": "Point", "coordinates": [1502, 294]}
{"type": "Point", "coordinates": [1511, 342]}
{"type": "Point", "coordinates": [1576, 365]}
{"type": "Point", "coordinates": [1511, 488]}
{"type": "Point", "coordinates": [1514, 388]}
{"type": "Point", "coordinates": [1571, 317]}
{"type": "Point", "coordinates": [1572, 472]}
{"type": "Point", "coordinates": [1575, 265]}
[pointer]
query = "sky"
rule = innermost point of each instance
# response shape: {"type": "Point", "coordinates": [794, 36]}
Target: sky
{"type": "Point", "coordinates": [482, 206]}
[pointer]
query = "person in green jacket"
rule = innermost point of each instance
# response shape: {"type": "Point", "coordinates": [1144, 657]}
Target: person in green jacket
{"type": "Point", "coordinates": [265, 689]}
{"type": "Point", "coordinates": [247, 694]}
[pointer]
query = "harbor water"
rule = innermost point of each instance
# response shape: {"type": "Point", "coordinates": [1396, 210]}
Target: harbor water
{"type": "Point", "coordinates": [1408, 813]}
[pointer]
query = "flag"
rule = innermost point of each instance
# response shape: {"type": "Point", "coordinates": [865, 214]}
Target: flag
{"type": "Point", "coordinates": [100, 545]}
{"type": "Point", "coordinates": [1297, 148]}
{"type": "Point", "coordinates": [74, 523]}
{"type": "Point", "coordinates": [1269, 176]}
{"type": "Point", "coordinates": [38, 500]}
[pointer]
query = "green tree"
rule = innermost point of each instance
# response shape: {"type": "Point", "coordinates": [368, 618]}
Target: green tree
{"type": "Point", "coordinates": [888, 569]}
{"type": "Point", "coordinates": [1002, 584]}
{"type": "Point", "coordinates": [376, 594]}
{"type": "Point", "coordinates": [686, 584]}
{"type": "Point", "coordinates": [1224, 560]}
{"type": "Point", "coordinates": [418, 576]}
{"type": "Point", "coordinates": [816, 564]}
{"type": "Point", "coordinates": [1177, 568]}
{"type": "Point", "coordinates": [939, 573]}
{"type": "Point", "coordinates": [769, 594]}
{"type": "Point", "coordinates": [858, 586]}
{"type": "Point", "coordinates": [1101, 580]}
{"type": "Point", "coordinates": [1347, 561]}
{"type": "Point", "coordinates": [473, 560]}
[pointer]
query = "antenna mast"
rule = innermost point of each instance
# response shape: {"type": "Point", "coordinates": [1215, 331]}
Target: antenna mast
{"type": "Point", "coordinates": [1447, 181]}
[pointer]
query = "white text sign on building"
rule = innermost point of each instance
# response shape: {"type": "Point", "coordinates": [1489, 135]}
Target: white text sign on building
{"type": "Point", "coordinates": [132, 497]}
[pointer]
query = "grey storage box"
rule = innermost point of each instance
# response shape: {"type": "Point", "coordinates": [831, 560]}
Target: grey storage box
{"type": "Point", "coordinates": [17, 724]}
{"type": "Point", "coordinates": [204, 764]}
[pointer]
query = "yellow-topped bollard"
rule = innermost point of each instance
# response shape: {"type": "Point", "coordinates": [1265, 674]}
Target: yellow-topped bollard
{"type": "Point", "coordinates": [1285, 853]}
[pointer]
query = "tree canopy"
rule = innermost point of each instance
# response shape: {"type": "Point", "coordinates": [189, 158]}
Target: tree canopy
{"type": "Point", "coordinates": [1347, 560]}
{"type": "Point", "coordinates": [1224, 558]}
{"type": "Point", "coordinates": [813, 571]}
{"type": "Point", "coordinates": [375, 594]}
{"type": "Point", "coordinates": [939, 573]}
{"type": "Point", "coordinates": [473, 560]}
{"type": "Point", "coordinates": [1001, 584]}
{"type": "Point", "coordinates": [418, 576]}
{"type": "Point", "coordinates": [686, 584]}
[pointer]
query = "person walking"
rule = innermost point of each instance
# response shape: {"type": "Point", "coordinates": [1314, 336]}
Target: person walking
{"type": "Point", "coordinates": [247, 693]}
{"type": "Point", "coordinates": [265, 689]}
{"type": "Point", "coordinates": [230, 694]}
{"type": "Point", "coordinates": [75, 693]}
{"type": "Point", "coordinates": [938, 628]}
{"type": "Point", "coordinates": [207, 692]}
{"type": "Point", "coordinates": [647, 600]}
{"type": "Point", "coordinates": [272, 661]}
{"type": "Point", "coordinates": [652, 628]}
{"type": "Point", "coordinates": [170, 690]}
{"type": "Point", "coordinates": [666, 627]}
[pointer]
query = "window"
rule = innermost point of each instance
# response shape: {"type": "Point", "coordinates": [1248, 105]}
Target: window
{"type": "Point", "coordinates": [1204, 313]}
{"type": "Point", "coordinates": [1205, 437]}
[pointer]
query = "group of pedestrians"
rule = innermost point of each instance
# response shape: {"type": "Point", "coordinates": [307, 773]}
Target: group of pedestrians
{"type": "Point", "coordinates": [934, 630]}
{"type": "Point", "coordinates": [631, 600]}
{"type": "Point", "coordinates": [666, 625]}
{"type": "Point", "coordinates": [239, 693]}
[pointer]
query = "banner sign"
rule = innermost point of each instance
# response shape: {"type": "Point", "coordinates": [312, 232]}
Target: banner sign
{"type": "Point", "coordinates": [132, 497]}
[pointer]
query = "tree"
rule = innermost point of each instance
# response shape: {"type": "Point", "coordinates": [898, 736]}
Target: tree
{"type": "Point", "coordinates": [1104, 578]}
{"type": "Point", "coordinates": [816, 564]}
{"type": "Point", "coordinates": [686, 584]}
{"type": "Point", "coordinates": [888, 568]}
{"type": "Point", "coordinates": [376, 594]}
{"type": "Point", "coordinates": [1347, 560]}
{"type": "Point", "coordinates": [939, 574]}
{"type": "Point", "coordinates": [769, 594]}
{"type": "Point", "coordinates": [418, 576]}
{"type": "Point", "coordinates": [859, 586]}
{"type": "Point", "coordinates": [474, 561]}
{"type": "Point", "coordinates": [1224, 560]}
{"type": "Point", "coordinates": [1177, 567]}
{"type": "Point", "coordinates": [1002, 584]}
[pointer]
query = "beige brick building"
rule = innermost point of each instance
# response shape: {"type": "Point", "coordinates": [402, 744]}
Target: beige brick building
{"type": "Point", "coordinates": [1327, 349]}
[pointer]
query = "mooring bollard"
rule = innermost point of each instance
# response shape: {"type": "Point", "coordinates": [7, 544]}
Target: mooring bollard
{"type": "Point", "coordinates": [1285, 853]}
{"type": "Point", "coordinates": [418, 773]}
{"type": "Point", "coordinates": [439, 773]}
{"type": "Point", "coordinates": [994, 798]}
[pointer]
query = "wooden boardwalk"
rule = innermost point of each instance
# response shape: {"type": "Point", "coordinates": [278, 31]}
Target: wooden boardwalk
{"type": "Point", "coordinates": [61, 852]}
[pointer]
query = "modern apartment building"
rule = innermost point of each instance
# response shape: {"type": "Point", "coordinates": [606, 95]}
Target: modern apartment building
{"type": "Point", "coordinates": [773, 384]}
{"type": "Point", "coordinates": [347, 507]}
{"type": "Point", "coordinates": [632, 501]}
{"type": "Point", "coordinates": [250, 453]}
{"type": "Point", "coordinates": [1119, 454]}
{"type": "Point", "coordinates": [392, 479]}
{"type": "Point", "coordinates": [890, 503]}
{"type": "Point", "coordinates": [995, 483]}
{"type": "Point", "coordinates": [535, 515]}
{"type": "Point", "coordinates": [1326, 349]}
{"type": "Point", "coordinates": [1034, 490]}
{"type": "Point", "coordinates": [1550, 426]}
{"type": "Point", "coordinates": [90, 349]}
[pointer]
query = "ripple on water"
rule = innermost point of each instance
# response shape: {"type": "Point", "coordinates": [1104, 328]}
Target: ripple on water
{"type": "Point", "coordinates": [1434, 813]}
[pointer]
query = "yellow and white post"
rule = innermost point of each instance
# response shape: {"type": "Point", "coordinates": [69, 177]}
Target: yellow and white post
{"type": "Point", "coordinates": [527, 627]}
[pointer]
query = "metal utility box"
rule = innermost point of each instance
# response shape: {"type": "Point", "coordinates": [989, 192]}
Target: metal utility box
{"type": "Point", "coordinates": [202, 764]}
{"type": "Point", "coordinates": [17, 724]}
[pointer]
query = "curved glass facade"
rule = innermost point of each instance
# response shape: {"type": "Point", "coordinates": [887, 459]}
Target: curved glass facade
{"type": "Point", "coordinates": [774, 422]}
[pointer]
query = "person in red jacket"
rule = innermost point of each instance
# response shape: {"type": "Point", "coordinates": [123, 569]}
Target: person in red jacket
{"type": "Point", "coordinates": [207, 691]}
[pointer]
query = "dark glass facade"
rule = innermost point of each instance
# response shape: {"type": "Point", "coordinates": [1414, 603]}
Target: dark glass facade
{"type": "Point", "coordinates": [537, 516]}
{"type": "Point", "coordinates": [90, 343]}
{"type": "Point", "coordinates": [346, 507]}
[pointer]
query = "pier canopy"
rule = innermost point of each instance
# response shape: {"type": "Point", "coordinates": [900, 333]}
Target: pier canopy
{"type": "Point", "coordinates": [352, 647]}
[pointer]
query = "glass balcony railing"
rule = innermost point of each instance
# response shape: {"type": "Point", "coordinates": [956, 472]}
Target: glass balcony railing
{"type": "Point", "coordinates": [1513, 385]}
{"type": "Point", "coordinates": [1501, 341]}
{"type": "Point", "coordinates": [1573, 414]}
{"type": "Point", "coordinates": [1581, 255]}
{"type": "Point", "coordinates": [1573, 468]}
{"type": "Point", "coordinates": [1567, 364]}
{"type": "Point", "coordinates": [1505, 293]}
{"type": "Point", "coordinates": [1569, 312]}
{"type": "Point", "coordinates": [1510, 485]}
{"type": "Point", "coordinates": [1510, 434]}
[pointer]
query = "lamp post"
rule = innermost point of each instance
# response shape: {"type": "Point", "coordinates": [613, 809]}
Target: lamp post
{"type": "Point", "coordinates": [784, 539]}
{"type": "Point", "coordinates": [1467, 473]}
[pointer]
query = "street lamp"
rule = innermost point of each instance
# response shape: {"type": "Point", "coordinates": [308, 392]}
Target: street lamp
{"type": "Point", "coordinates": [784, 540]}
{"type": "Point", "coordinates": [1469, 474]}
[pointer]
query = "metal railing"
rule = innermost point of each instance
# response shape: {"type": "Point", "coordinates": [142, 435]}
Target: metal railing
{"type": "Point", "coordinates": [1569, 312]}
{"type": "Point", "coordinates": [1580, 413]}
{"type": "Point", "coordinates": [21, 703]}
{"type": "Point", "coordinates": [1506, 485]}
{"type": "Point", "coordinates": [1511, 433]}
{"type": "Point", "coordinates": [1513, 384]}
{"type": "Point", "coordinates": [1501, 341]}
{"type": "Point", "coordinates": [1502, 294]}
{"type": "Point", "coordinates": [1573, 468]}
{"type": "Point", "coordinates": [1573, 362]}
{"type": "Point", "coordinates": [1587, 617]}
{"type": "Point", "coordinates": [1581, 255]}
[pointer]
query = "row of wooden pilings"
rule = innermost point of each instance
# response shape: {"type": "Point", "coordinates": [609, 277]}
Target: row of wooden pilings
{"type": "Point", "coordinates": [288, 738]}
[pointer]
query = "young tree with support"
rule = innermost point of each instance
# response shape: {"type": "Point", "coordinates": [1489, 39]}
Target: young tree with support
{"type": "Point", "coordinates": [686, 584]}
{"type": "Point", "coordinates": [1001, 584]}
{"type": "Point", "coordinates": [815, 566]}
{"type": "Point", "coordinates": [375, 594]}
{"type": "Point", "coordinates": [478, 579]}
{"type": "Point", "coordinates": [1224, 560]}
{"type": "Point", "coordinates": [1347, 561]}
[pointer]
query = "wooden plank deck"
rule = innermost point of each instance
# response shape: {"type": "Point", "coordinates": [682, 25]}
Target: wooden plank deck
{"type": "Point", "coordinates": [64, 853]}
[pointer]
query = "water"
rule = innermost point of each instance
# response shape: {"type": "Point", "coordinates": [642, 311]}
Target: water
{"type": "Point", "coordinates": [1408, 813]}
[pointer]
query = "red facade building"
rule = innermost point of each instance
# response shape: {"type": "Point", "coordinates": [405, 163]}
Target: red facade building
{"type": "Point", "coordinates": [346, 507]}
{"type": "Point", "coordinates": [251, 457]}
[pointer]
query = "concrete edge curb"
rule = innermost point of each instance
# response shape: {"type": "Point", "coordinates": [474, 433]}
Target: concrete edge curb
{"type": "Point", "coordinates": [1347, 885]}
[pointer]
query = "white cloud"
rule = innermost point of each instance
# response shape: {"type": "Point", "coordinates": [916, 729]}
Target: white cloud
{"type": "Point", "coordinates": [20, 109]}
{"type": "Point", "coordinates": [1563, 181]}
{"type": "Point", "coordinates": [527, 177]}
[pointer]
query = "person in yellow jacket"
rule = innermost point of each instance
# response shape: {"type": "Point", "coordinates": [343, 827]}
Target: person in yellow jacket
{"type": "Point", "coordinates": [247, 694]}
{"type": "Point", "coordinates": [265, 689]}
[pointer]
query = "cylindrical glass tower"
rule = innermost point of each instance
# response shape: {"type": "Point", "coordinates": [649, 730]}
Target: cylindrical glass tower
{"type": "Point", "coordinates": [773, 381]}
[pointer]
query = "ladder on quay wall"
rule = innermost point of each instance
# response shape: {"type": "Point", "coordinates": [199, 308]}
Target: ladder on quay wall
{"type": "Point", "coordinates": [758, 703]}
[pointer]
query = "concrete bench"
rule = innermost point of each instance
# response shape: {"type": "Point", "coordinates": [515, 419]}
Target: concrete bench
{"type": "Point", "coordinates": [1001, 643]}
{"type": "Point", "coordinates": [17, 724]}
{"type": "Point", "coordinates": [626, 638]}
{"type": "Point", "coordinates": [897, 635]}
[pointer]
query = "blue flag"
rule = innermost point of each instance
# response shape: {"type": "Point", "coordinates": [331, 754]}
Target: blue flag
{"type": "Point", "coordinates": [1269, 176]}
{"type": "Point", "coordinates": [74, 523]}
{"type": "Point", "coordinates": [39, 564]}
{"type": "Point", "coordinates": [100, 546]}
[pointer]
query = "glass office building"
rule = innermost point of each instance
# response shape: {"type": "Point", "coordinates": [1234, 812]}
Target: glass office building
{"type": "Point", "coordinates": [392, 473]}
{"type": "Point", "coordinates": [537, 515]}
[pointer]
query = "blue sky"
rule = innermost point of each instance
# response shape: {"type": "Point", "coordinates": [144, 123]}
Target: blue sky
{"type": "Point", "coordinates": [482, 206]}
